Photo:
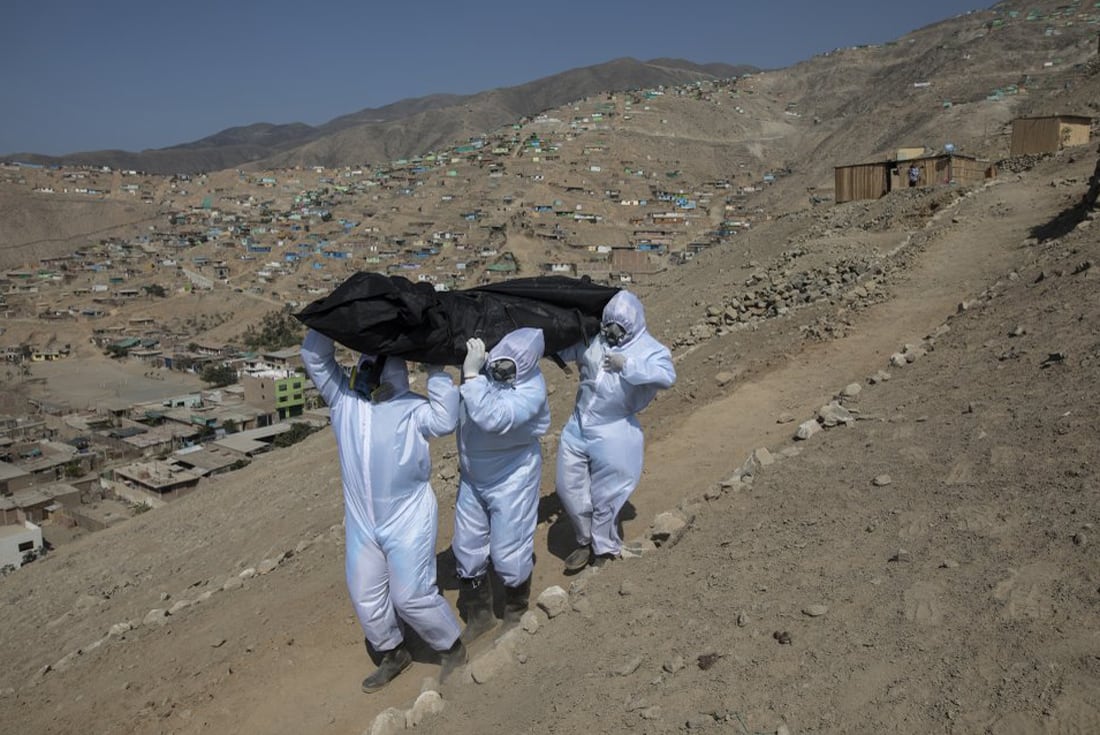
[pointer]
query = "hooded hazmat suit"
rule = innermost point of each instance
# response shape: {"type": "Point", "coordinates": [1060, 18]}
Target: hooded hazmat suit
{"type": "Point", "coordinates": [500, 463]}
{"type": "Point", "coordinates": [601, 449]}
{"type": "Point", "coordinates": [390, 510]}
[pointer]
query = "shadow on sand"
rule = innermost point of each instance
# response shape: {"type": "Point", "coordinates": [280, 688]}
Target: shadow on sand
{"type": "Point", "coordinates": [560, 541]}
{"type": "Point", "coordinates": [1061, 224]}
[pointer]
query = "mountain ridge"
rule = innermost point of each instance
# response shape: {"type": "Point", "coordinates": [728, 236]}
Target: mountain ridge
{"type": "Point", "coordinates": [383, 133]}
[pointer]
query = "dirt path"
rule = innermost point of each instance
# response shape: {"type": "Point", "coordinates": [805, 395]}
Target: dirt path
{"type": "Point", "coordinates": [717, 437]}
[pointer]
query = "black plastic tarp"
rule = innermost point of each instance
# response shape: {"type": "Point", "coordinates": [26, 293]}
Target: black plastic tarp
{"type": "Point", "coordinates": [390, 315]}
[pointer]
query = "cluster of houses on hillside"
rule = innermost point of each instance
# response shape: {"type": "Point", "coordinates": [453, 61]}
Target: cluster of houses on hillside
{"type": "Point", "coordinates": [449, 218]}
{"type": "Point", "coordinates": [918, 166]}
{"type": "Point", "coordinates": [56, 465]}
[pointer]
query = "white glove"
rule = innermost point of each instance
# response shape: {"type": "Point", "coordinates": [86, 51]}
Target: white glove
{"type": "Point", "coordinates": [475, 358]}
{"type": "Point", "coordinates": [614, 362]}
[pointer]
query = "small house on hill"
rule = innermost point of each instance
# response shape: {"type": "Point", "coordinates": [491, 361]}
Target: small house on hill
{"type": "Point", "coordinates": [1048, 134]}
{"type": "Point", "coordinates": [877, 179]}
{"type": "Point", "coordinates": [634, 262]}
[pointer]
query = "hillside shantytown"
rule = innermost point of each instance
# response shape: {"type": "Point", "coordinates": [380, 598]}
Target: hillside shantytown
{"type": "Point", "coordinates": [867, 501]}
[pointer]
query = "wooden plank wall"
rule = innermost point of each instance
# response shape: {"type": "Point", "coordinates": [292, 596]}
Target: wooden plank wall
{"type": "Point", "coordinates": [861, 181]}
{"type": "Point", "coordinates": [1038, 135]}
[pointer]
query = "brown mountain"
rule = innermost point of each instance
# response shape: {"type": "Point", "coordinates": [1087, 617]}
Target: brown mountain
{"type": "Point", "coordinates": [405, 128]}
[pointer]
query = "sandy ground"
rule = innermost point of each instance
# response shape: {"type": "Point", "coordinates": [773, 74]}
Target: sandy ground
{"type": "Point", "coordinates": [90, 381]}
{"type": "Point", "coordinates": [958, 597]}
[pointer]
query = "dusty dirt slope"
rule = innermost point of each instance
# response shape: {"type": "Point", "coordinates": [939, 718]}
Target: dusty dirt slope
{"type": "Point", "coordinates": [960, 597]}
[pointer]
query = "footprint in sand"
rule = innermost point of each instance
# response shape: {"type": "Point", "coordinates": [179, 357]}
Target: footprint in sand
{"type": "Point", "coordinates": [922, 604]}
{"type": "Point", "coordinates": [1023, 593]}
{"type": "Point", "coordinates": [913, 525]}
{"type": "Point", "coordinates": [961, 473]}
{"type": "Point", "coordinates": [1003, 457]}
{"type": "Point", "coordinates": [980, 520]}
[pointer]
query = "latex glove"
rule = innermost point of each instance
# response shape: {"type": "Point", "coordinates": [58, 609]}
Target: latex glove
{"type": "Point", "coordinates": [614, 362]}
{"type": "Point", "coordinates": [475, 358]}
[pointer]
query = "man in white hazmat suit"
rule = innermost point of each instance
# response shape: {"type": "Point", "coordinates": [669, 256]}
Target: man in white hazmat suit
{"type": "Point", "coordinates": [504, 411]}
{"type": "Point", "coordinates": [390, 510]}
{"type": "Point", "coordinates": [602, 447]}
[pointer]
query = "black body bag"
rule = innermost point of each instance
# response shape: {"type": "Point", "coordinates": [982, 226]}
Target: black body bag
{"type": "Point", "coordinates": [391, 315]}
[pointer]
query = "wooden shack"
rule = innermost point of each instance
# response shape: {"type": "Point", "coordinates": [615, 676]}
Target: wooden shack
{"type": "Point", "coordinates": [862, 181]}
{"type": "Point", "coordinates": [877, 179]}
{"type": "Point", "coordinates": [1049, 134]}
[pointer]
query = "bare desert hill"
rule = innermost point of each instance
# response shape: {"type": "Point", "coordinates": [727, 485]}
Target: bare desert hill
{"type": "Point", "coordinates": [925, 561]}
{"type": "Point", "coordinates": [402, 129]}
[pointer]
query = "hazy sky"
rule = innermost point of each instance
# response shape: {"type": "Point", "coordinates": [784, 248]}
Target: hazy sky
{"type": "Point", "coordinates": [136, 74]}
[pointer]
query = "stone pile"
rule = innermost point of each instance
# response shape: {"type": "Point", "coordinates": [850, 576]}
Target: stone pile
{"type": "Point", "coordinates": [775, 291]}
{"type": "Point", "coordinates": [1021, 163]}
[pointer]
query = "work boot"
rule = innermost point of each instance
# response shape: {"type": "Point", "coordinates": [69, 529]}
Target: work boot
{"type": "Point", "coordinates": [579, 559]}
{"type": "Point", "coordinates": [477, 594]}
{"type": "Point", "coordinates": [452, 659]}
{"type": "Point", "coordinates": [515, 602]}
{"type": "Point", "coordinates": [393, 663]}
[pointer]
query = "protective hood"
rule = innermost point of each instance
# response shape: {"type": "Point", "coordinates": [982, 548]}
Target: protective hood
{"type": "Point", "coordinates": [522, 346]}
{"type": "Point", "coordinates": [626, 309]}
{"type": "Point", "coordinates": [396, 373]}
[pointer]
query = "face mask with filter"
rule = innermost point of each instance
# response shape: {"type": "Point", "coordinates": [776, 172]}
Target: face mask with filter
{"type": "Point", "coordinates": [502, 371]}
{"type": "Point", "coordinates": [613, 333]}
{"type": "Point", "coordinates": [366, 380]}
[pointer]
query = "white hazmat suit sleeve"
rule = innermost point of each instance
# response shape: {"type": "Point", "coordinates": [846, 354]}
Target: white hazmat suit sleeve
{"type": "Point", "coordinates": [573, 353]}
{"type": "Point", "coordinates": [439, 416]}
{"type": "Point", "coordinates": [319, 359]}
{"type": "Point", "coordinates": [499, 411]}
{"type": "Point", "coordinates": [654, 368]}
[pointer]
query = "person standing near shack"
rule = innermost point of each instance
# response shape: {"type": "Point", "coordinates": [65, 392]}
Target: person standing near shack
{"type": "Point", "coordinates": [390, 510]}
{"type": "Point", "coordinates": [914, 174]}
{"type": "Point", "coordinates": [602, 446]}
{"type": "Point", "coordinates": [504, 411]}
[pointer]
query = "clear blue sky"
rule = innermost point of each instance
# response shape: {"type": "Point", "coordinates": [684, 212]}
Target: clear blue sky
{"type": "Point", "coordinates": [136, 74]}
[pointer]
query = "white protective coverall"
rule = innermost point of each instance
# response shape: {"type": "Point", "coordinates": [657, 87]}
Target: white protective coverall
{"type": "Point", "coordinates": [601, 449]}
{"type": "Point", "coordinates": [390, 510]}
{"type": "Point", "coordinates": [500, 463]}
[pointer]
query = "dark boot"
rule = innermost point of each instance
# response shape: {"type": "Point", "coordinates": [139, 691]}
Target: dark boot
{"type": "Point", "coordinates": [476, 594]}
{"type": "Point", "coordinates": [393, 663]}
{"type": "Point", "coordinates": [515, 602]}
{"type": "Point", "coordinates": [451, 660]}
{"type": "Point", "coordinates": [578, 559]}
